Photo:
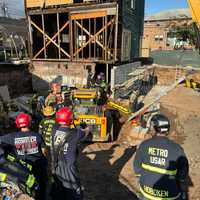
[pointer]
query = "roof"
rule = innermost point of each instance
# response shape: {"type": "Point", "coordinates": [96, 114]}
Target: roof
{"type": "Point", "coordinates": [13, 26]}
{"type": "Point", "coordinates": [170, 15]}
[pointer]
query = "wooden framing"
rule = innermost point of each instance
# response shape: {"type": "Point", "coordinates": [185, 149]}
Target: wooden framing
{"type": "Point", "coordinates": [91, 35]}
{"type": "Point", "coordinates": [51, 40]}
{"type": "Point", "coordinates": [94, 37]}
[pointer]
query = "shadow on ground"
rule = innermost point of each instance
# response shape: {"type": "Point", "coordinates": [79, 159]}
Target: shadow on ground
{"type": "Point", "coordinates": [100, 177]}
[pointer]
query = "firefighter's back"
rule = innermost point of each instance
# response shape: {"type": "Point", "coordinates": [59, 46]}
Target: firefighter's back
{"type": "Point", "coordinates": [160, 167]}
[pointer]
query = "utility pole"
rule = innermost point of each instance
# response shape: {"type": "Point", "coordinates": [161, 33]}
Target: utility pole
{"type": "Point", "coordinates": [4, 8]}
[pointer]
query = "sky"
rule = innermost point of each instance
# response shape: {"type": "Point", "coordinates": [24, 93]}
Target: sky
{"type": "Point", "coordinates": [15, 8]}
{"type": "Point", "coordinates": [153, 6]}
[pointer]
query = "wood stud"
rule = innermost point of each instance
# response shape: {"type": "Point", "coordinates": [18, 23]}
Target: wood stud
{"type": "Point", "coordinates": [101, 37]}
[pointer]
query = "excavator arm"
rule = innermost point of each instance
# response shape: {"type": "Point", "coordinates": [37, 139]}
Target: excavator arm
{"type": "Point", "coordinates": [195, 11]}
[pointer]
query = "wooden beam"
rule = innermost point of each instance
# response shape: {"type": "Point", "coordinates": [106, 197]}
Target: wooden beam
{"type": "Point", "coordinates": [110, 36]}
{"type": "Point", "coordinates": [44, 40]}
{"type": "Point", "coordinates": [90, 42]}
{"type": "Point", "coordinates": [91, 61]}
{"type": "Point", "coordinates": [95, 30]}
{"type": "Point", "coordinates": [89, 15]}
{"type": "Point", "coordinates": [94, 36]}
{"type": "Point", "coordinates": [71, 31]}
{"type": "Point", "coordinates": [30, 45]}
{"type": "Point", "coordinates": [91, 36]}
{"type": "Point", "coordinates": [58, 31]}
{"type": "Point", "coordinates": [76, 7]}
{"type": "Point", "coordinates": [105, 39]}
{"type": "Point", "coordinates": [76, 39]}
{"type": "Point", "coordinates": [50, 41]}
{"type": "Point", "coordinates": [116, 33]}
{"type": "Point", "coordinates": [82, 35]}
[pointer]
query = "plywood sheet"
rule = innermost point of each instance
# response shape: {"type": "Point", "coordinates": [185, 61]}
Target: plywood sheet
{"type": "Point", "coordinates": [34, 3]}
{"type": "Point", "coordinates": [46, 3]}
{"type": "Point", "coordinates": [57, 2]}
{"type": "Point", "coordinates": [88, 15]}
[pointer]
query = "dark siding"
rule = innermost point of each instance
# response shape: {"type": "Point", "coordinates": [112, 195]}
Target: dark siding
{"type": "Point", "coordinates": [133, 20]}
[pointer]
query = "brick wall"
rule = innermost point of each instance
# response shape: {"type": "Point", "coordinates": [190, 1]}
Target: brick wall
{"type": "Point", "coordinates": [71, 74]}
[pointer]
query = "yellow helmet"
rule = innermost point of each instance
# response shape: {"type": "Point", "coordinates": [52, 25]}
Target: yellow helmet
{"type": "Point", "coordinates": [48, 111]}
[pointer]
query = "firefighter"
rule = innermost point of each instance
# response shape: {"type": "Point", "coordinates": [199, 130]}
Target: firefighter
{"type": "Point", "coordinates": [161, 164]}
{"type": "Point", "coordinates": [45, 129]}
{"type": "Point", "coordinates": [46, 125]}
{"type": "Point", "coordinates": [103, 91]}
{"type": "Point", "coordinates": [17, 172]}
{"type": "Point", "coordinates": [100, 81]}
{"type": "Point", "coordinates": [29, 147]}
{"type": "Point", "coordinates": [64, 157]}
{"type": "Point", "coordinates": [54, 96]}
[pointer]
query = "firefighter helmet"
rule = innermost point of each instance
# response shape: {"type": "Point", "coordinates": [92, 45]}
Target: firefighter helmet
{"type": "Point", "coordinates": [23, 120]}
{"type": "Point", "coordinates": [64, 116]}
{"type": "Point", "coordinates": [160, 123]}
{"type": "Point", "coordinates": [49, 111]}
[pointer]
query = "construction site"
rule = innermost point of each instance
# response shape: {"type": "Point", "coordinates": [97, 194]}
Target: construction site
{"type": "Point", "coordinates": [70, 46]}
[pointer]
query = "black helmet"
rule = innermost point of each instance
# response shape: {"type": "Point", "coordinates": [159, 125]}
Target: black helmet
{"type": "Point", "coordinates": [160, 123]}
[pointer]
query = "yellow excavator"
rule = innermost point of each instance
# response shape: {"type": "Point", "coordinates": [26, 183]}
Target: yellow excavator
{"type": "Point", "coordinates": [195, 11]}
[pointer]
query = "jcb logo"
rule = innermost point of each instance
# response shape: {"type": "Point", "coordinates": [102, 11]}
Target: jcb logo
{"type": "Point", "coordinates": [89, 121]}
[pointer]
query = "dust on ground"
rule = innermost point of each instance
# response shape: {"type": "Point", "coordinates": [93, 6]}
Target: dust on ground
{"type": "Point", "coordinates": [106, 168]}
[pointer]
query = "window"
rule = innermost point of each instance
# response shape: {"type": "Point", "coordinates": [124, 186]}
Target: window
{"type": "Point", "coordinates": [159, 37]}
{"type": "Point", "coordinates": [156, 37]}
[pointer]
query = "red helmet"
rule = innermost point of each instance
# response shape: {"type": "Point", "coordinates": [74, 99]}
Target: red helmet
{"type": "Point", "coordinates": [64, 116]}
{"type": "Point", "coordinates": [23, 120]}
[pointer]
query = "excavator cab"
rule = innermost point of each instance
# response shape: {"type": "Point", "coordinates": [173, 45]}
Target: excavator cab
{"type": "Point", "coordinates": [87, 110]}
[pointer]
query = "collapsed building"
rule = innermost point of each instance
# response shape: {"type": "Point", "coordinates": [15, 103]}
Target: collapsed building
{"type": "Point", "coordinates": [67, 39]}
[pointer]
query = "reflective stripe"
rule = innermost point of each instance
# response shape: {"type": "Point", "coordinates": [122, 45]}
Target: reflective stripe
{"type": "Point", "coordinates": [31, 180]}
{"type": "Point", "coordinates": [26, 165]}
{"type": "Point", "coordinates": [159, 170]}
{"type": "Point", "coordinates": [11, 158]}
{"type": "Point", "coordinates": [137, 175]}
{"type": "Point", "coordinates": [149, 197]}
{"type": "Point", "coordinates": [3, 177]}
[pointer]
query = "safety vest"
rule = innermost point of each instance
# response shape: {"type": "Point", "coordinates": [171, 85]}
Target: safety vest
{"type": "Point", "coordinates": [46, 127]}
{"type": "Point", "coordinates": [24, 171]}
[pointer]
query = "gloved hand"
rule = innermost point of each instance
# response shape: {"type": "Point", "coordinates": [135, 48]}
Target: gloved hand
{"type": "Point", "coordinates": [83, 125]}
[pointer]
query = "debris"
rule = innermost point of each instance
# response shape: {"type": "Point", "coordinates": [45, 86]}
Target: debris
{"type": "Point", "coordinates": [4, 93]}
{"type": "Point", "coordinates": [157, 98]}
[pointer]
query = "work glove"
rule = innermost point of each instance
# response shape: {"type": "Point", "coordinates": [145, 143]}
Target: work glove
{"type": "Point", "coordinates": [83, 125]}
